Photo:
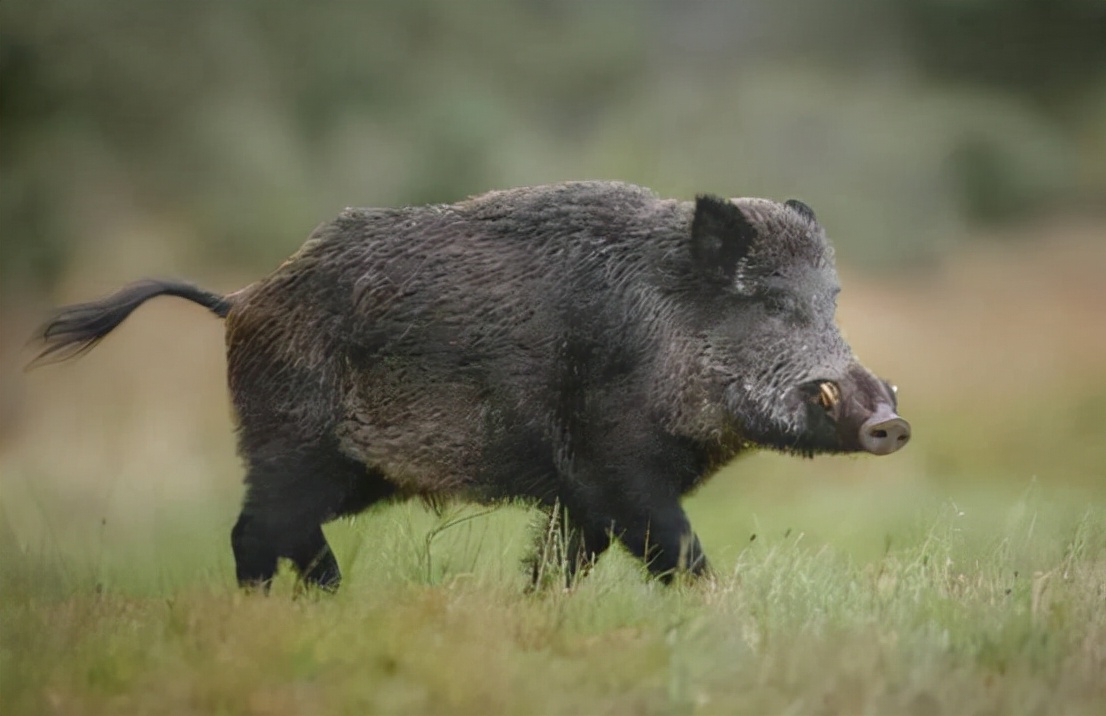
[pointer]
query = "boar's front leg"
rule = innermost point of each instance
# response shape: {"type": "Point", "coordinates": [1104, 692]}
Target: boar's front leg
{"type": "Point", "coordinates": [659, 533]}
{"type": "Point", "coordinates": [566, 548]}
{"type": "Point", "coordinates": [636, 499]}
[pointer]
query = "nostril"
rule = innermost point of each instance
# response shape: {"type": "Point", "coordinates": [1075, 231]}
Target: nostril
{"type": "Point", "coordinates": [885, 434]}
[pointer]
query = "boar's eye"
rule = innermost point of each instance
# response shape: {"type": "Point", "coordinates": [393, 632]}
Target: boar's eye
{"type": "Point", "coordinates": [783, 301]}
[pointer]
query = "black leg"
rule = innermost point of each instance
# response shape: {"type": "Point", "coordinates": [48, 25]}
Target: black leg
{"type": "Point", "coordinates": [566, 547]}
{"type": "Point", "coordinates": [259, 542]}
{"type": "Point", "coordinates": [663, 539]}
{"type": "Point", "coordinates": [315, 562]}
{"type": "Point", "coordinates": [255, 555]}
{"type": "Point", "coordinates": [622, 472]}
{"type": "Point", "coordinates": [288, 497]}
{"type": "Point", "coordinates": [634, 495]}
{"type": "Point", "coordinates": [584, 548]}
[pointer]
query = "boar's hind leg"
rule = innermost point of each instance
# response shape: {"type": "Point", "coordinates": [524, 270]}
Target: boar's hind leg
{"type": "Point", "coordinates": [259, 541]}
{"type": "Point", "coordinates": [288, 498]}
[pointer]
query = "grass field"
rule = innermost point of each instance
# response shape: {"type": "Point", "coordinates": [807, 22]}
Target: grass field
{"type": "Point", "coordinates": [965, 575]}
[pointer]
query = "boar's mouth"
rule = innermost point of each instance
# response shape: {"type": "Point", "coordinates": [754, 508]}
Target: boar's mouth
{"type": "Point", "coordinates": [861, 421]}
{"type": "Point", "coordinates": [824, 416]}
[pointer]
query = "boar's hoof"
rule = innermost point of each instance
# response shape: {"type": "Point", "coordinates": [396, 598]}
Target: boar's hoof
{"type": "Point", "coordinates": [884, 432]}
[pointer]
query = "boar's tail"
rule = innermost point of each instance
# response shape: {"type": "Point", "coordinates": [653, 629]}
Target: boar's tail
{"type": "Point", "coordinates": [76, 329]}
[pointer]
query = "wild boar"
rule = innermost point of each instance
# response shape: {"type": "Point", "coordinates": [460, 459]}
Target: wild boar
{"type": "Point", "coordinates": [588, 345]}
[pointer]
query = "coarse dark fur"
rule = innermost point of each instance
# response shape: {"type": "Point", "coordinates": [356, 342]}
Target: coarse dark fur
{"type": "Point", "coordinates": [587, 345]}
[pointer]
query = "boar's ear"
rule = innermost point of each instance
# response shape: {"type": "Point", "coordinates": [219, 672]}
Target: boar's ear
{"type": "Point", "coordinates": [801, 209]}
{"type": "Point", "coordinates": [720, 236]}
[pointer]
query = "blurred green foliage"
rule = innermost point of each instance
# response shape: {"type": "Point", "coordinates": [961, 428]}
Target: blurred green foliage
{"type": "Point", "coordinates": [250, 122]}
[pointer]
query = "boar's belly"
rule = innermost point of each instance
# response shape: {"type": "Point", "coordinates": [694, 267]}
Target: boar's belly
{"type": "Point", "coordinates": [424, 438]}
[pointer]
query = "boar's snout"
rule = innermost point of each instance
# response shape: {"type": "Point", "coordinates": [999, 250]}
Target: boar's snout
{"type": "Point", "coordinates": [884, 432]}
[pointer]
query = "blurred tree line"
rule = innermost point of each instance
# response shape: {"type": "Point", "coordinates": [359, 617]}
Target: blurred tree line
{"type": "Point", "coordinates": [249, 122]}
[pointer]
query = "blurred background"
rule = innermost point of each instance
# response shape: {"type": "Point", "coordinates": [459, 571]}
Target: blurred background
{"type": "Point", "coordinates": [954, 149]}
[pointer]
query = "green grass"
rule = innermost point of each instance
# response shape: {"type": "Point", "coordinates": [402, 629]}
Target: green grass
{"type": "Point", "coordinates": [993, 604]}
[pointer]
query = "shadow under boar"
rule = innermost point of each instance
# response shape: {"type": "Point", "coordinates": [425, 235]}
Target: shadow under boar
{"type": "Point", "coordinates": [585, 345]}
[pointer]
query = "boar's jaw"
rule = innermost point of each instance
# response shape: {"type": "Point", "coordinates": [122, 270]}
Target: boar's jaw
{"type": "Point", "coordinates": [791, 421]}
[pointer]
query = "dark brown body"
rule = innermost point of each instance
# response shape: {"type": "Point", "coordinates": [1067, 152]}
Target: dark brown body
{"type": "Point", "coordinates": [588, 345]}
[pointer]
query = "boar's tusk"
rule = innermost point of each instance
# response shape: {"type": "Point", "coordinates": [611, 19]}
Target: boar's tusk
{"type": "Point", "coordinates": [828, 394]}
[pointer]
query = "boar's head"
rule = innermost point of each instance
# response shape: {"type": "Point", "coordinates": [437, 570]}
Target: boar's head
{"type": "Point", "coordinates": [784, 375]}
